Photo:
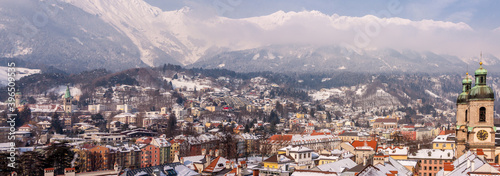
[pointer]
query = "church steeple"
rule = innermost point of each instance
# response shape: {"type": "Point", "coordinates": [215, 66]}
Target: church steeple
{"type": "Point", "coordinates": [481, 91]}
{"type": "Point", "coordinates": [475, 122]}
{"type": "Point", "coordinates": [67, 101]}
{"type": "Point", "coordinates": [68, 93]}
{"type": "Point", "coordinates": [466, 86]}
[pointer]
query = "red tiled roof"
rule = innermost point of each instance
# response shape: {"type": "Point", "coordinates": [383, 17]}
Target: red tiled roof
{"type": "Point", "coordinates": [480, 152]}
{"type": "Point", "coordinates": [48, 169]}
{"type": "Point", "coordinates": [372, 144]}
{"type": "Point", "coordinates": [212, 165]}
{"type": "Point", "coordinates": [279, 137]}
{"type": "Point", "coordinates": [69, 169]}
{"type": "Point", "coordinates": [445, 132]}
{"type": "Point", "coordinates": [448, 166]}
{"type": "Point", "coordinates": [314, 133]}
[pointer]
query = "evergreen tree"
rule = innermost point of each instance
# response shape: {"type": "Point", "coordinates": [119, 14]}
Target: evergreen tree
{"type": "Point", "coordinates": [171, 125]}
{"type": "Point", "coordinates": [31, 163]}
{"type": "Point", "coordinates": [58, 156]}
{"type": "Point", "coordinates": [56, 123]}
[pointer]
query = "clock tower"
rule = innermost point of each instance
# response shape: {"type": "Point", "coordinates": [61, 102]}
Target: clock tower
{"type": "Point", "coordinates": [475, 123]}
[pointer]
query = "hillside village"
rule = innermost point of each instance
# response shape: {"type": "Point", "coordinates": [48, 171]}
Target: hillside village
{"type": "Point", "coordinates": [200, 125]}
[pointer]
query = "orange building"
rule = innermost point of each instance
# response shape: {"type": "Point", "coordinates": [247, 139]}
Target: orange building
{"type": "Point", "coordinates": [431, 161]}
{"type": "Point", "coordinates": [98, 158]}
{"type": "Point", "coordinates": [150, 155]}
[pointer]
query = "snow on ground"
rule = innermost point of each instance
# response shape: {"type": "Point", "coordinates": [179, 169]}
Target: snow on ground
{"type": "Point", "coordinates": [20, 72]}
{"type": "Point", "coordinates": [189, 84]}
{"type": "Point", "coordinates": [324, 94]}
{"type": "Point", "coordinates": [431, 94]}
{"type": "Point", "coordinates": [360, 91]}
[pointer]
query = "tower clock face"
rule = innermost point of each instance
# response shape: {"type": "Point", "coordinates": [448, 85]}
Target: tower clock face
{"type": "Point", "coordinates": [482, 135]}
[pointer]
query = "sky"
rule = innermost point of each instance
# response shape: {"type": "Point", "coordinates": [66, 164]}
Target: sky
{"type": "Point", "coordinates": [479, 14]}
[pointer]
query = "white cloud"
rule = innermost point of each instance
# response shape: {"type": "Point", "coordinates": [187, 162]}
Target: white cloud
{"type": "Point", "coordinates": [196, 31]}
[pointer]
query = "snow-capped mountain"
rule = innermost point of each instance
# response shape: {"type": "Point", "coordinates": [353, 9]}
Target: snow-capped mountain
{"type": "Point", "coordinates": [76, 35]}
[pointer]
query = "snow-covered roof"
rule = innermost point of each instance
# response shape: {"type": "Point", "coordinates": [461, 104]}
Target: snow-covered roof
{"type": "Point", "coordinates": [296, 149]}
{"type": "Point", "coordinates": [432, 154]}
{"type": "Point", "coordinates": [338, 166]}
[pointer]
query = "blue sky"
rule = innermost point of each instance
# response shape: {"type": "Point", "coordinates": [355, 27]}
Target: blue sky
{"type": "Point", "coordinates": [479, 14]}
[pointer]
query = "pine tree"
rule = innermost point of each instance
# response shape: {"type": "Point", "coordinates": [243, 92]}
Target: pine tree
{"type": "Point", "coordinates": [58, 156]}
{"type": "Point", "coordinates": [56, 123]}
{"type": "Point", "coordinates": [171, 125]}
{"type": "Point", "coordinates": [31, 163]}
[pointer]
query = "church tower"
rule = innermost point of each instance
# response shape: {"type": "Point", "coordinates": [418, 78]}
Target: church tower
{"type": "Point", "coordinates": [475, 123]}
{"type": "Point", "coordinates": [462, 117]}
{"type": "Point", "coordinates": [68, 101]}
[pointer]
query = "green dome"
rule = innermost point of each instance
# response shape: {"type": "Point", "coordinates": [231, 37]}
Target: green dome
{"type": "Point", "coordinates": [481, 70]}
{"type": "Point", "coordinates": [481, 92]}
{"type": "Point", "coordinates": [467, 81]}
{"type": "Point", "coordinates": [462, 98]}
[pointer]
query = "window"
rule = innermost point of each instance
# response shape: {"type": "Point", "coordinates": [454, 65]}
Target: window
{"type": "Point", "coordinates": [435, 168]}
{"type": "Point", "coordinates": [425, 161]}
{"type": "Point", "coordinates": [451, 145]}
{"type": "Point", "coordinates": [444, 145]}
{"type": "Point", "coordinates": [482, 114]}
{"type": "Point", "coordinates": [437, 145]}
{"type": "Point", "coordinates": [435, 162]}
{"type": "Point", "coordinates": [440, 162]}
{"type": "Point", "coordinates": [425, 167]}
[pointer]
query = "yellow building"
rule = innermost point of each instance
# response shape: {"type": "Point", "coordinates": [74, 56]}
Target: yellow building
{"type": "Point", "coordinates": [210, 108]}
{"type": "Point", "coordinates": [396, 152]}
{"type": "Point", "coordinates": [174, 148]}
{"type": "Point", "coordinates": [444, 142]}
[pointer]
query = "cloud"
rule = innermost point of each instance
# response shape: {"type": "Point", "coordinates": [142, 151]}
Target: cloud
{"type": "Point", "coordinates": [316, 28]}
{"type": "Point", "coordinates": [200, 28]}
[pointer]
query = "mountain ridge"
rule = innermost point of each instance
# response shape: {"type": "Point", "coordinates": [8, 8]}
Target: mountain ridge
{"type": "Point", "coordinates": [116, 35]}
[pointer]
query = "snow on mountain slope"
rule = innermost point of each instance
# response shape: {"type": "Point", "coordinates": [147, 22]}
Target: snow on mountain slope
{"type": "Point", "coordinates": [187, 36]}
{"type": "Point", "coordinates": [20, 72]}
{"type": "Point", "coordinates": [156, 33]}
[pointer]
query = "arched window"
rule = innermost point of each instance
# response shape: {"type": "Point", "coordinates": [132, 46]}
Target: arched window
{"type": "Point", "coordinates": [481, 79]}
{"type": "Point", "coordinates": [482, 114]}
{"type": "Point", "coordinates": [465, 115]}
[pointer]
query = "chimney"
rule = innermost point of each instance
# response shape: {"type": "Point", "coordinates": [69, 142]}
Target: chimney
{"type": "Point", "coordinates": [211, 152]}
{"type": "Point", "coordinates": [182, 160]}
{"type": "Point", "coordinates": [256, 172]}
{"type": "Point", "coordinates": [49, 172]}
{"type": "Point", "coordinates": [418, 146]}
{"type": "Point", "coordinates": [176, 158]}
{"type": "Point", "coordinates": [203, 152]}
{"type": "Point", "coordinates": [116, 167]}
{"type": "Point", "coordinates": [288, 152]}
{"type": "Point", "coordinates": [228, 165]}
{"type": "Point", "coordinates": [364, 161]}
{"type": "Point", "coordinates": [216, 152]}
{"type": "Point", "coordinates": [69, 172]}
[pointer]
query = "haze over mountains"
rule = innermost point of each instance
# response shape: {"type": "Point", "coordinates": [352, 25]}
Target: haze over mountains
{"type": "Point", "coordinates": [77, 35]}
